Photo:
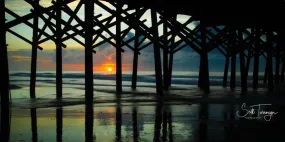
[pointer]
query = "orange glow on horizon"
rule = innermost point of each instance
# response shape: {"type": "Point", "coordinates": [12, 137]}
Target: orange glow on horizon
{"type": "Point", "coordinates": [101, 67]}
{"type": "Point", "coordinates": [109, 69]}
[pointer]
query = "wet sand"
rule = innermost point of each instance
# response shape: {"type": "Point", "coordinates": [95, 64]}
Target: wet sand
{"type": "Point", "coordinates": [182, 115]}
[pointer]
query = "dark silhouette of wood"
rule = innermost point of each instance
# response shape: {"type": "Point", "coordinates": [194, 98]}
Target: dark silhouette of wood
{"type": "Point", "coordinates": [164, 125]}
{"type": "Point", "coordinates": [58, 50]}
{"type": "Point", "coordinates": [88, 26]}
{"type": "Point", "coordinates": [118, 123]}
{"type": "Point", "coordinates": [171, 54]}
{"type": "Point", "coordinates": [170, 67]}
{"type": "Point", "coordinates": [30, 16]}
{"type": "Point", "coordinates": [279, 46]}
{"type": "Point", "coordinates": [135, 125]}
{"type": "Point", "coordinates": [136, 46]}
{"type": "Point", "coordinates": [248, 60]}
{"type": "Point", "coordinates": [34, 125]}
{"type": "Point", "coordinates": [4, 81]}
{"type": "Point", "coordinates": [89, 123]}
{"type": "Point", "coordinates": [225, 79]}
{"type": "Point", "coordinates": [265, 76]}
{"type": "Point", "coordinates": [203, 126]}
{"type": "Point", "coordinates": [242, 62]}
{"type": "Point", "coordinates": [203, 81]}
{"type": "Point", "coordinates": [118, 49]}
{"type": "Point", "coordinates": [165, 60]}
{"type": "Point", "coordinates": [31, 25]}
{"type": "Point", "coordinates": [255, 66]}
{"type": "Point", "coordinates": [158, 121]}
{"type": "Point", "coordinates": [157, 59]}
{"type": "Point", "coordinates": [233, 60]}
{"type": "Point", "coordinates": [59, 122]}
{"type": "Point", "coordinates": [170, 136]}
{"type": "Point", "coordinates": [34, 53]}
{"type": "Point", "coordinates": [269, 60]}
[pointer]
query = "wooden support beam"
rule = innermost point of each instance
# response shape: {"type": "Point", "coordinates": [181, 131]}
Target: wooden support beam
{"type": "Point", "coordinates": [172, 40]}
{"type": "Point", "coordinates": [58, 50]}
{"type": "Point", "coordinates": [182, 29]}
{"type": "Point", "coordinates": [23, 38]}
{"type": "Point", "coordinates": [256, 63]}
{"type": "Point", "coordinates": [31, 25]}
{"type": "Point", "coordinates": [34, 53]}
{"type": "Point", "coordinates": [101, 30]}
{"type": "Point", "coordinates": [216, 38]}
{"type": "Point", "coordinates": [165, 60]}
{"type": "Point", "coordinates": [46, 25]}
{"type": "Point", "coordinates": [142, 40]}
{"type": "Point", "coordinates": [88, 26]}
{"type": "Point", "coordinates": [225, 79]}
{"type": "Point", "coordinates": [170, 67]}
{"type": "Point", "coordinates": [269, 60]}
{"type": "Point", "coordinates": [204, 81]}
{"type": "Point", "coordinates": [47, 22]}
{"type": "Point", "coordinates": [248, 59]}
{"type": "Point", "coordinates": [265, 77]}
{"type": "Point", "coordinates": [118, 49]}
{"type": "Point", "coordinates": [233, 59]}
{"type": "Point", "coordinates": [185, 36]}
{"type": "Point", "coordinates": [115, 36]}
{"type": "Point", "coordinates": [28, 17]}
{"type": "Point", "coordinates": [179, 48]}
{"type": "Point", "coordinates": [157, 59]}
{"type": "Point", "coordinates": [4, 81]}
{"type": "Point", "coordinates": [175, 45]}
{"type": "Point", "coordinates": [144, 30]}
{"type": "Point", "coordinates": [71, 18]}
{"type": "Point", "coordinates": [279, 46]}
{"type": "Point", "coordinates": [136, 50]}
{"type": "Point", "coordinates": [242, 62]}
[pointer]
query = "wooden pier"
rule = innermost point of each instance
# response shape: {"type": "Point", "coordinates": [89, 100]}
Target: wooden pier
{"type": "Point", "coordinates": [250, 34]}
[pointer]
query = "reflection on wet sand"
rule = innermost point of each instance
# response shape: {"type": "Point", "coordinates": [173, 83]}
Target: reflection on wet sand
{"type": "Point", "coordinates": [135, 124]}
{"type": "Point", "coordinates": [139, 123]}
{"type": "Point", "coordinates": [118, 123]}
{"type": "Point", "coordinates": [34, 125]}
{"type": "Point", "coordinates": [89, 122]}
{"type": "Point", "coordinates": [59, 124]}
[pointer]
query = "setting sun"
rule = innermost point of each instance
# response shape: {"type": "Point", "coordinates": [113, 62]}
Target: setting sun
{"type": "Point", "coordinates": [109, 69]}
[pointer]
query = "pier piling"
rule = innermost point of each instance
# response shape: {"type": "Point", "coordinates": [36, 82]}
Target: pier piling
{"type": "Point", "coordinates": [157, 59]}
{"type": "Point", "coordinates": [118, 49]}
{"type": "Point", "coordinates": [225, 78]}
{"type": "Point", "coordinates": [58, 49]}
{"type": "Point", "coordinates": [34, 53]}
{"type": "Point", "coordinates": [136, 50]}
{"type": "Point", "coordinates": [88, 27]}
{"type": "Point", "coordinates": [4, 87]}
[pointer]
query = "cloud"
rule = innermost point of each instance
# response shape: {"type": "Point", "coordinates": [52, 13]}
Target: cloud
{"type": "Point", "coordinates": [19, 57]}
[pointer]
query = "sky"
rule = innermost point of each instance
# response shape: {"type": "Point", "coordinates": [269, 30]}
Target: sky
{"type": "Point", "coordinates": [19, 52]}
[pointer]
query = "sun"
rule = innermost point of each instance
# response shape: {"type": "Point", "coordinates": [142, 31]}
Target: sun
{"type": "Point", "coordinates": [109, 69]}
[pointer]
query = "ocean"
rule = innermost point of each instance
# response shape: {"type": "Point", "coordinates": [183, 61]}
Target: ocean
{"type": "Point", "coordinates": [136, 117]}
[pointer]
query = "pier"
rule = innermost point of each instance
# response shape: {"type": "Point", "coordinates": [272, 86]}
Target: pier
{"type": "Point", "coordinates": [234, 28]}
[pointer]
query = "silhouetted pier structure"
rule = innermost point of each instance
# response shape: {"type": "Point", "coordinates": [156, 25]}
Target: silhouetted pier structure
{"type": "Point", "coordinates": [234, 28]}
